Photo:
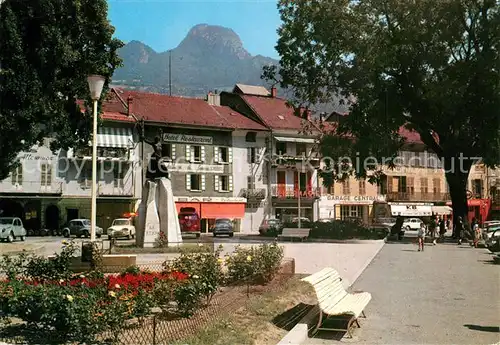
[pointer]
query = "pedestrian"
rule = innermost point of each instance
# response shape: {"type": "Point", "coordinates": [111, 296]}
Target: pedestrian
{"type": "Point", "coordinates": [434, 228]}
{"type": "Point", "coordinates": [459, 230]}
{"type": "Point", "coordinates": [421, 236]}
{"type": "Point", "coordinates": [442, 230]}
{"type": "Point", "coordinates": [476, 232]}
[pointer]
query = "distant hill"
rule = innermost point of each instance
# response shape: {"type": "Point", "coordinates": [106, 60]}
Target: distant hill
{"type": "Point", "coordinates": [209, 58]}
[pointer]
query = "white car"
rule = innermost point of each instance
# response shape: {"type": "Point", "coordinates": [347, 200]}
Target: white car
{"type": "Point", "coordinates": [121, 227]}
{"type": "Point", "coordinates": [488, 233]}
{"type": "Point", "coordinates": [11, 228]}
{"type": "Point", "coordinates": [412, 224]}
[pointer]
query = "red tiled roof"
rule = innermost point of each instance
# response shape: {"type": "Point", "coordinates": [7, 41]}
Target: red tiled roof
{"type": "Point", "coordinates": [409, 135]}
{"type": "Point", "coordinates": [184, 111]}
{"type": "Point", "coordinates": [274, 112]}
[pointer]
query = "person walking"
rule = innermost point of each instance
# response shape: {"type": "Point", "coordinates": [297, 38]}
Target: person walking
{"type": "Point", "coordinates": [476, 232]}
{"type": "Point", "coordinates": [434, 229]}
{"type": "Point", "coordinates": [459, 230]}
{"type": "Point", "coordinates": [421, 236]}
{"type": "Point", "coordinates": [442, 230]}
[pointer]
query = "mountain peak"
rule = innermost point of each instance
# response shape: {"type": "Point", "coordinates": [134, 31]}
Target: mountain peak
{"type": "Point", "coordinates": [215, 39]}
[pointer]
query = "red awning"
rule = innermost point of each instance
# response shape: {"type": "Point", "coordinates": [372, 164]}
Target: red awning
{"type": "Point", "coordinates": [215, 210]}
{"type": "Point", "coordinates": [195, 205]}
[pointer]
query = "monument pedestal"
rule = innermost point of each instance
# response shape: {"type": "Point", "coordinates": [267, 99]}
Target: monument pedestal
{"type": "Point", "coordinates": [158, 214]}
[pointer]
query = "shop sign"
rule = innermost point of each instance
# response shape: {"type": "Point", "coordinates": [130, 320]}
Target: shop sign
{"type": "Point", "coordinates": [353, 199]}
{"type": "Point", "coordinates": [187, 139]}
{"type": "Point", "coordinates": [36, 157]}
{"type": "Point", "coordinates": [208, 199]}
{"type": "Point", "coordinates": [195, 168]}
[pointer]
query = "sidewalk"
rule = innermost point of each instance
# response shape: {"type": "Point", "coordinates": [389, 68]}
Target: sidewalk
{"type": "Point", "coordinates": [448, 294]}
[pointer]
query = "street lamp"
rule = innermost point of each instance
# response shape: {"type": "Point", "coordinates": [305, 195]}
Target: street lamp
{"type": "Point", "coordinates": [96, 83]}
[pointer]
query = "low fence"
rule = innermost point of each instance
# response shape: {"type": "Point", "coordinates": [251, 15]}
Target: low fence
{"type": "Point", "coordinates": [162, 327]}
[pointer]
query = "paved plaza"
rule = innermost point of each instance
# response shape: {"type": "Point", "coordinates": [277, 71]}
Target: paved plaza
{"type": "Point", "coordinates": [447, 294]}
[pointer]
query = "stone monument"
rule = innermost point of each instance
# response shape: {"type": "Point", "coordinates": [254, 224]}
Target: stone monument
{"type": "Point", "coordinates": [157, 211]}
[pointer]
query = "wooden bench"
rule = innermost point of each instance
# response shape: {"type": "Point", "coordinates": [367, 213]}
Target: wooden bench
{"type": "Point", "coordinates": [334, 300]}
{"type": "Point", "coordinates": [295, 233]}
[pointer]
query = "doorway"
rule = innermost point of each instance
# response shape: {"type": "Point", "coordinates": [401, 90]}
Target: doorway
{"type": "Point", "coordinates": [52, 217]}
{"type": "Point", "coordinates": [71, 213]}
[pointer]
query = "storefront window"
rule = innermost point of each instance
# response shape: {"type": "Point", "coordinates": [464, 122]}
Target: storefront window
{"type": "Point", "coordinates": [350, 212]}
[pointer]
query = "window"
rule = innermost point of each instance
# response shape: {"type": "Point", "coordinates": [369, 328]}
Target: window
{"type": "Point", "coordinates": [280, 148]}
{"type": "Point", "coordinates": [330, 190]}
{"type": "Point", "coordinates": [436, 186]}
{"type": "Point", "coordinates": [223, 154]}
{"type": "Point", "coordinates": [301, 149]}
{"type": "Point", "coordinates": [477, 188]}
{"type": "Point", "coordinates": [85, 176]}
{"type": "Point", "coordinates": [410, 188]}
{"type": "Point", "coordinates": [194, 182]}
{"type": "Point", "coordinates": [349, 212]}
{"type": "Point", "coordinates": [424, 188]}
{"type": "Point", "coordinates": [223, 183]}
{"type": "Point", "coordinates": [46, 175]}
{"type": "Point", "coordinates": [166, 150]}
{"type": "Point", "coordinates": [251, 137]}
{"type": "Point", "coordinates": [362, 187]}
{"type": "Point", "coordinates": [250, 182]}
{"type": "Point", "coordinates": [346, 188]}
{"type": "Point", "coordinates": [17, 175]}
{"type": "Point", "coordinates": [303, 181]}
{"type": "Point", "coordinates": [118, 176]}
{"type": "Point", "coordinates": [252, 155]}
{"type": "Point", "coordinates": [194, 153]}
{"type": "Point", "coordinates": [400, 182]}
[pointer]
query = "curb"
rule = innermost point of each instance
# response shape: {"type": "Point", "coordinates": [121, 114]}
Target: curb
{"type": "Point", "coordinates": [33, 250]}
{"type": "Point", "coordinates": [300, 332]}
{"type": "Point", "coordinates": [311, 240]}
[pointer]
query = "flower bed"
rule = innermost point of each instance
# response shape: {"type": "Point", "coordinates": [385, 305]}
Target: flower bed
{"type": "Point", "coordinates": [64, 307]}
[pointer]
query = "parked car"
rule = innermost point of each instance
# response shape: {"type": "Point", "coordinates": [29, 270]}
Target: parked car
{"type": "Point", "coordinates": [189, 221]}
{"type": "Point", "coordinates": [489, 223]}
{"type": "Point", "coordinates": [223, 226]}
{"type": "Point", "coordinates": [493, 242]}
{"type": "Point", "coordinates": [80, 228]}
{"type": "Point", "coordinates": [326, 220]}
{"type": "Point", "coordinates": [487, 233]}
{"type": "Point", "coordinates": [412, 224]}
{"type": "Point", "coordinates": [121, 227]}
{"type": "Point", "coordinates": [274, 226]}
{"type": "Point", "coordinates": [304, 222]}
{"type": "Point", "coordinates": [11, 228]}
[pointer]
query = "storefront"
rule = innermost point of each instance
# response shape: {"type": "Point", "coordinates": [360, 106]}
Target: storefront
{"type": "Point", "coordinates": [411, 209]}
{"type": "Point", "coordinates": [477, 208]}
{"type": "Point", "coordinates": [211, 208]}
{"type": "Point", "coordinates": [348, 207]}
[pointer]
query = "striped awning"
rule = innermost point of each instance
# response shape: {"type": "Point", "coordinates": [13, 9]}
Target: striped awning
{"type": "Point", "coordinates": [115, 137]}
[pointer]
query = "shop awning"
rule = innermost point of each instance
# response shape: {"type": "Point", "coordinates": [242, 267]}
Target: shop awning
{"type": "Point", "coordinates": [215, 210]}
{"type": "Point", "coordinates": [296, 140]}
{"type": "Point", "coordinates": [115, 137]}
{"type": "Point", "coordinates": [441, 210]}
{"type": "Point", "coordinates": [411, 210]}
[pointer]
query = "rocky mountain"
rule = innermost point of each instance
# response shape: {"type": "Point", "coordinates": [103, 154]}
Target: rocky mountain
{"type": "Point", "coordinates": [209, 58]}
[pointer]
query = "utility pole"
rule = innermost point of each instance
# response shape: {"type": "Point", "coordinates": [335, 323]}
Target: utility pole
{"type": "Point", "coordinates": [170, 72]}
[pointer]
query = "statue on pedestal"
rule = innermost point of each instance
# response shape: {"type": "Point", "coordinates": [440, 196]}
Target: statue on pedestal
{"type": "Point", "coordinates": [155, 167]}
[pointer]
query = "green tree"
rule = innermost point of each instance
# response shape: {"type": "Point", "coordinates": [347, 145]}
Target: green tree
{"type": "Point", "coordinates": [430, 66]}
{"type": "Point", "coordinates": [47, 50]}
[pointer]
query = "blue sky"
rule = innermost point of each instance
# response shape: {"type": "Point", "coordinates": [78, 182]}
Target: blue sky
{"type": "Point", "coordinates": [162, 24]}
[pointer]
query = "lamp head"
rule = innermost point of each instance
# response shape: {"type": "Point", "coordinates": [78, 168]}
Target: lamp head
{"type": "Point", "coordinates": [96, 83]}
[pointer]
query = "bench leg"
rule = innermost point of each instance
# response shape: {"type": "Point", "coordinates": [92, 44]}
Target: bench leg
{"type": "Point", "coordinates": [363, 314]}
{"type": "Point", "coordinates": [349, 327]}
{"type": "Point", "coordinates": [357, 323]}
{"type": "Point", "coordinates": [320, 320]}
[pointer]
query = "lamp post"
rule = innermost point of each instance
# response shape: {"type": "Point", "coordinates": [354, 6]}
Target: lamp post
{"type": "Point", "coordinates": [96, 83]}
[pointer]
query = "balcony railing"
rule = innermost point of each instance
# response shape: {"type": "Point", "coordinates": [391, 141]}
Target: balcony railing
{"type": "Point", "coordinates": [254, 194]}
{"type": "Point", "coordinates": [30, 187]}
{"type": "Point", "coordinates": [295, 162]}
{"type": "Point", "coordinates": [291, 192]}
{"type": "Point", "coordinates": [110, 189]}
{"type": "Point", "coordinates": [417, 196]}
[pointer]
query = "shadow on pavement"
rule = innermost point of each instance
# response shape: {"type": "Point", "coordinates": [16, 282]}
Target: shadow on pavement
{"type": "Point", "coordinates": [338, 323]}
{"type": "Point", "coordinates": [489, 262]}
{"type": "Point", "coordinates": [410, 250]}
{"type": "Point", "coordinates": [492, 329]}
{"type": "Point", "coordinates": [292, 316]}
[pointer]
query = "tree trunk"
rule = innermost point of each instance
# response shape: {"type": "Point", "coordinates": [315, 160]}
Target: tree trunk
{"type": "Point", "coordinates": [457, 175]}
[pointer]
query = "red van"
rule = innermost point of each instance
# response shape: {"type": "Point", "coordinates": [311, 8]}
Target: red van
{"type": "Point", "coordinates": [189, 221]}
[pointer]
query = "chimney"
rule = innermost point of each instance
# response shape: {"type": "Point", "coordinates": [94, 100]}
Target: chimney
{"type": "Point", "coordinates": [130, 105]}
{"type": "Point", "coordinates": [273, 92]}
{"type": "Point", "coordinates": [213, 99]}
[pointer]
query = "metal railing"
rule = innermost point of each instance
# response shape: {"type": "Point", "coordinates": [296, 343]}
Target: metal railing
{"type": "Point", "coordinates": [110, 189]}
{"type": "Point", "coordinates": [284, 191]}
{"type": "Point", "coordinates": [33, 187]}
{"type": "Point", "coordinates": [256, 194]}
{"type": "Point", "coordinates": [417, 196]}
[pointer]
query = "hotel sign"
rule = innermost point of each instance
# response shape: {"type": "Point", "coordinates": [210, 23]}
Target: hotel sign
{"type": "Point", "coordinates": [195, 168]}
{"type": "Point", "coordinates": [187, 139]}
